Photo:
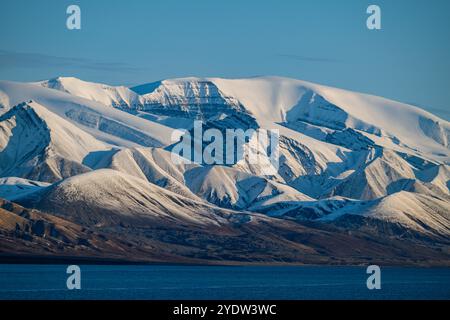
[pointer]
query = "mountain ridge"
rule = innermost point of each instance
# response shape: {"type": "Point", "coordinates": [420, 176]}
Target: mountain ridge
{"type": "Point", "coordinates": [349, 163]}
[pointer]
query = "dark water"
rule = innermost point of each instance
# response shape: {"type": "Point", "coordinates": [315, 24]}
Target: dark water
{"type": "Point", "coordinates": [196, 282]}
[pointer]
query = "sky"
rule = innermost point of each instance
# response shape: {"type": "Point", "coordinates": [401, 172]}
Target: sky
{"type": "Point", "coordinates": [324, 41]}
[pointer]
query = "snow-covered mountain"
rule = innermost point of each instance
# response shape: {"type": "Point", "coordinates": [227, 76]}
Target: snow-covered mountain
{"type": "Point", "coordinates": [120, 97]}
{"type": "Point", "coordinates": [114, 197]}
{"type": "Point", "coordinates": [39, 145]}
{"type": "Point", "coordinates": [101, 155]}
{"type": "Point", "coordinates": [103, 122]}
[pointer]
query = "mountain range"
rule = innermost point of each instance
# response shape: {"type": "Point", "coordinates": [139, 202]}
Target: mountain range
{"type": "Point", "coordinates": [87, 172]}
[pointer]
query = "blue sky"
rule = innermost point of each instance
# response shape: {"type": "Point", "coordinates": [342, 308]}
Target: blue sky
{"type": "Point", "coordinates": [324, 41]}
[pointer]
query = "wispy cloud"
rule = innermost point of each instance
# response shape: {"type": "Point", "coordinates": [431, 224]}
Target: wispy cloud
{"type": "Point", "coordinates": [306, 58]}
{"type": "Point", "coordinates": [9, 59]}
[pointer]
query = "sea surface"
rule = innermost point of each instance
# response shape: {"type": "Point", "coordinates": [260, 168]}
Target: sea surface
{"type": "Point", "coordinates": [228, 283]}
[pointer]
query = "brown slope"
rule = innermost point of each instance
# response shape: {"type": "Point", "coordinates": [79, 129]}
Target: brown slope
{"type": "Point", "coordinates": [29, 234]}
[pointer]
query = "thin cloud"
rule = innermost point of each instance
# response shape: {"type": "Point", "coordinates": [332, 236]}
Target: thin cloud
{"type": "Point", "coordinates": [9, 59]}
